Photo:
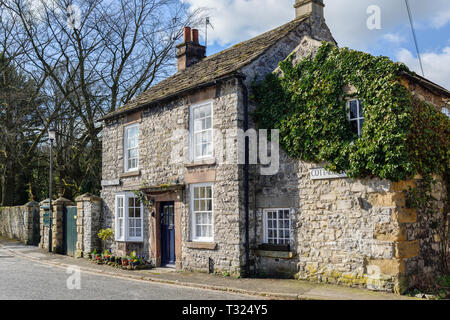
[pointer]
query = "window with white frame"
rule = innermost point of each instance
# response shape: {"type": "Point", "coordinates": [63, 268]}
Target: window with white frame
{"type": "Point", "coordinates": [201, 131]}
{"type": "Point", "coordinates": [446, 111]}
{"type": "Point", "coordinates": [356, 115]}
{"type": "Point", "coordinates": [277, 226]}
{"type": "Point", "coordinates": [131, 147]}
{"type": "Point", "coordinates": [129, 218]}
{"type": "Point", "coordinates": [202, 213]}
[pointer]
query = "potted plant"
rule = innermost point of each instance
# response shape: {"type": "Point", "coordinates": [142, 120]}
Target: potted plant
{"type": "Point", "coordinates": [99, 259]}
{"type": "Point", "coordinates": [105, 235]}
{"type": "Point", "coordinates": [94, 255]}
{"type": "Point", "coordinates": [107, 255]}
{"type": "Point", "coordinates": [124, 261]}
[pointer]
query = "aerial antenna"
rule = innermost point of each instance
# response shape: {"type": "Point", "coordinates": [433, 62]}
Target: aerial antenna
{"type": "Point", "coordinates": [414, 36]}
{"type": "Point", "coordinates": [175, 21]}
{"type": "Point", "coordinates": [208, 23]}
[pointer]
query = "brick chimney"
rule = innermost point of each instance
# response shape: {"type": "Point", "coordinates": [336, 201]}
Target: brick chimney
{"type": "Point", "coordinates": [190, 51]}
{"type": "Point", "coordinates": [309, 7]}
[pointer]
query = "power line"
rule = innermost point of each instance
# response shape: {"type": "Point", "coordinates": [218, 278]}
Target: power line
{"type": "Point", "coordinates": [414, 36]}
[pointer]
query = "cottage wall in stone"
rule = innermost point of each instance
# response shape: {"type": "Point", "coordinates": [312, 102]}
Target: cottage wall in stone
{"type": "Point", "coordinates": [161, 162]}
{"type": "Point", "coordinates": [353, 232]}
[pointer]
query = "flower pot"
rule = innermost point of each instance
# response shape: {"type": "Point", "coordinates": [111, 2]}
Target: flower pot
{"type": "Point", "coordinates": [124, 262]}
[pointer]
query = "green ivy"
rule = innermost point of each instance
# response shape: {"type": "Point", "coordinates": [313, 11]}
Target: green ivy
{"type": "Point", "coordinates": [307, 104]}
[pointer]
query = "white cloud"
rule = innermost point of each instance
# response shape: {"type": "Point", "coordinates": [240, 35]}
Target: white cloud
{"type": "Point", "coordinates": [237, 20]}
{"type": "Point", "coordinates": [441, 19]}
{"type": "Point", "coordinates": [394, 38]}
{"type": "Point", "coordinates": [347, 19]}
{"type": "Point", "coordinates": [436, 65]}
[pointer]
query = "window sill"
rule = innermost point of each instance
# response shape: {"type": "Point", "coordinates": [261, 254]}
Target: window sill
{"type": "Point", "coordinates": [202, 245]}
{"type": "Point", "coordinates": [130, 241]}
{"type": "Point", "coordinates": [130, 174]}
{"type": "Point", "coordinates": [275, 254]}
{"type": "Point", "coordinates": [274, 247]}
{"type": "Point", "coordinates": [205, 162]}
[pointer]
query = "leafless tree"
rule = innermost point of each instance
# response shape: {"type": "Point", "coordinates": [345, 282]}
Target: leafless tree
{"type": "Point", "coordinates": [89, 57]}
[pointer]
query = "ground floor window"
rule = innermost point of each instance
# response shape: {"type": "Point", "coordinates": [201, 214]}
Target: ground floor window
{"type": "Point", "coordinates": [202, 213]}
{"type": "Point", "coordinates": [129, 218]}
{"type": "Point", "coordinates": [277, 226]}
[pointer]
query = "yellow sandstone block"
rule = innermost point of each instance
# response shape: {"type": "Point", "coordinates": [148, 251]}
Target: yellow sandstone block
{"type": "Point", "coordinates": [407, 249]}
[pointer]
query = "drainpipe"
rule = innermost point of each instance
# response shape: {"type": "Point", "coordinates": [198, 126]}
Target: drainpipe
{"type": "Point", "coordinates": [246, 178]}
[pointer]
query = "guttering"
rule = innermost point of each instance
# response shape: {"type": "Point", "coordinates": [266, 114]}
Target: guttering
{"type": "Point", "coordinates": [246, 176]}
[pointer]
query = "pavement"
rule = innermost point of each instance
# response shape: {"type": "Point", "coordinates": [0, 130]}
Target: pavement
{"type": "Point", "coordinates": [277, 289]}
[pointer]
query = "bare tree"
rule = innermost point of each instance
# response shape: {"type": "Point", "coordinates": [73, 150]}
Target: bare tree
{"type": "Point", "coordinates": [90, 57]}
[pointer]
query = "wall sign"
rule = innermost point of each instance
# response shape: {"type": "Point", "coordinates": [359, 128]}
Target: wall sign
{"type": "Point", "coordinates": [46, 217]}
{"type": "Point", "coordinates": [322, 174]}
{"type": "Point", "coordinates": [109, 183]}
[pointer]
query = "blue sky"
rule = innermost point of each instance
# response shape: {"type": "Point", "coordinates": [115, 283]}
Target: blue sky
{"type": "Point", "coordinates": [238, 20]}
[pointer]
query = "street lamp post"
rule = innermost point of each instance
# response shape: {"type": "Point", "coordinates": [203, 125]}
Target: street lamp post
{"type": "Point", "coordinates": [52, 138]}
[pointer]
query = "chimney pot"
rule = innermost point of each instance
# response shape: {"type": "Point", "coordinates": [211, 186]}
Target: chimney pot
{"type": "Point", "coordinates": [190, 51]}
{"type": "Point", "coordinates": [195, 36]}
{"type": "Point", "coordinates": [187, 34]}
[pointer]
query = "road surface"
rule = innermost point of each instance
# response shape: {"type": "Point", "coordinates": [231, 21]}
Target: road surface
{"type": "Point", "coordinates": [21, 278]}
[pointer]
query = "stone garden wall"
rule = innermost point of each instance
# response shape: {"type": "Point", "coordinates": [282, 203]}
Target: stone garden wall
{"type": "Point", "coordinates": [17, 222]}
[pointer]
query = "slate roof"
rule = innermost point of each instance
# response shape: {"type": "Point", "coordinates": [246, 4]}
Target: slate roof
{"type": "Point", "coordinates": [219, 65]}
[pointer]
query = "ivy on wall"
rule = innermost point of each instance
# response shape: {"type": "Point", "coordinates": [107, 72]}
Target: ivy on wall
{"type": "Point", "coordinates": [401, 137]}
{"type": "Point", "coordinates": [307, 103]}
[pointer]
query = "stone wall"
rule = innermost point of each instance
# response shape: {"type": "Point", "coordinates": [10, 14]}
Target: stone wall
{"type": "Point", "coordinates": [89, 209]}
{"type": "Point", "coordinates": [161, 127]}
{"type": "Point", "coordinates": [17, 222]}
{"type": "Point", "coordinates": [345, 231]}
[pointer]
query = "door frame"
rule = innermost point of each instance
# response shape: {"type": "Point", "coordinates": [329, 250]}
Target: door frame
{"type": "Point", "coordinates": [163, 239]}
{"type": "Point", "coordinates": [159, 197]}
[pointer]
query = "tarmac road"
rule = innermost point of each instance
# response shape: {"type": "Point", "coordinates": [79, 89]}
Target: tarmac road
{"type": "Point", "coordinates": [21, 279]}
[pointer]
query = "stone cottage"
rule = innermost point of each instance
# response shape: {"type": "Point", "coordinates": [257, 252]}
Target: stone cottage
{"type": "Point", "coordinates": [170, 196]}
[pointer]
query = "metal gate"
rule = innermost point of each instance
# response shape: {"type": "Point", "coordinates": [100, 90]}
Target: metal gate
{"type": "Point", "coordinates": [70, 231]}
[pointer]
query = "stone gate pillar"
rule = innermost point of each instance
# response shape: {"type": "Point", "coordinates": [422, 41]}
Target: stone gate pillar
{"type": "Point", "coordinates": [88, 223]}
{"type": "Point", "coordinates": [57, 224]}
{"type": "Point", "coordinates": [44, 219]}
{"type": "Point", "coordinates": [29, 223]}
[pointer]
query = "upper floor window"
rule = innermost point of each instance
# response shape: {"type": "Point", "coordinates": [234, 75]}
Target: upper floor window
{"type": "Point", "coordinates": [131, 147]}
{"type": "Point", "coordinates": [277, 226]}
{"type": "Point", "coordinates": [356, 115]}
{"type": "Point", "coordinates": [201, 131]}
{"type": "Point", "coordinates": [202, 213]}
{"type": "Point", "coordinates": [129, 218]}
{"type": "Point", "coordinates": [446, 111]}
